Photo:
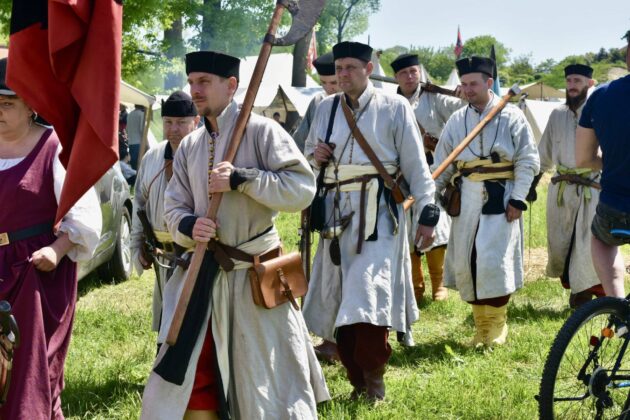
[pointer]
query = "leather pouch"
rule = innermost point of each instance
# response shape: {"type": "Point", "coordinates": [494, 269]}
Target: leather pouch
{"type": "Point", "coordinates": [278, 281]}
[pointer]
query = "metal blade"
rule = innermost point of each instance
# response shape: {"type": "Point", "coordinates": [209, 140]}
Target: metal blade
{"type": "Point", "coordinates": [305, 14]}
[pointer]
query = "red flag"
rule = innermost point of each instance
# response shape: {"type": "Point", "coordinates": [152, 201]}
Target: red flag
{"type": "Point", "coordinates": [311, 55]}
{"type": "Point", "coordinates": [459, 45]}
{"type": "Point", "coordinates": [64, 62]}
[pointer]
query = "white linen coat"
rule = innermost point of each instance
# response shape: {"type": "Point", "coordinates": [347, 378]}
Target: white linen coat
{"type": "Point", "coordinates": [374, 286]}
{"type": "Point", "coordinates": [273, 372]}
{"type": "Point", "coordinates": [151, 174]}
{"type": "Point", "coordinates": [432, 111]}
{"type": "Point", "coordinates": [499, 244]}
{"type": "Point", "coordinates": [557, 147]}
{"type": "Point", "coordinates": [300, 134]}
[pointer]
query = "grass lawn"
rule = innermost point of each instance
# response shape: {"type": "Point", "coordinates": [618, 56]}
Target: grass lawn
{"type": "Point", "coordinates": [112, 351]}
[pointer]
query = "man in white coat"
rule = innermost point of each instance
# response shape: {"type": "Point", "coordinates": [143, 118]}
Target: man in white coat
{"type": "Point", "coordinates": [572, 197]}
{"type": "Point", "coordinates": [179, 118]}
{"type": "Point", "coordinates": [432, 110]}
{"type": "Point", "coordinates": [357, 301]}
{"type": "Point", "coordinates": [485, 250]}
{"type": "Point", "coordinates": [232, 355]}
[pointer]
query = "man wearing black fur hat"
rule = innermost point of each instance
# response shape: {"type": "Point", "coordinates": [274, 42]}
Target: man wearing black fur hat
{"type": "Point", "coordinates": [572, 196]}
{"type": "Point", "coordinates": [432, 110]}
{"type": "Point", "coordinates": [232, 356]}
{"type": "Point", "coordinates": [358, 300]}
{"type": "Point", "coordinates": [325, 65]}
{"type": "Point", "coordinates": [179, 118]}
{"type": "Point", "coordinates": [484, 261]}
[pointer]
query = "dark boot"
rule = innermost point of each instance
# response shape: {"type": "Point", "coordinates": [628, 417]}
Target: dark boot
{"type": "Point", "coordinates": [327, 352]}
{"type": "Point", "coordinates": [375, 384]}
{"type": "Point", "coordinates": [359, 387]}
{"type": "Point", "coordinates": [578, 299]}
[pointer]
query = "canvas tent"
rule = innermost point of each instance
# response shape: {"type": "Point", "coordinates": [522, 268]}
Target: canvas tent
{"type": "Point", "coordinates": [537, 114]}
{"type": "Point", "coordinates": [541, 91]}
{"type": "Point", "coordinates": [453, 80]}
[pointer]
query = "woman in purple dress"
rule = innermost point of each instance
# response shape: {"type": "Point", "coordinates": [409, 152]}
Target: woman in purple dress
{"type": "Point", "coordinates": [38, 273]}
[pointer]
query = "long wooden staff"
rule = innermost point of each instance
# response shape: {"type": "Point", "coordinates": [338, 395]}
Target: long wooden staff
{"type": "Point", "coordinates": [514, 90]}
{"type": "Point", "coordinates": [429, 87]}
{"type": "Point", "coordinates": [305, 14]}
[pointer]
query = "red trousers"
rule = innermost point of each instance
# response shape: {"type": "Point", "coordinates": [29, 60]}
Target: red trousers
{"type": "Point", "coordinates": [205, 393]}
{"type": "Point", "coordinates": [362, 347]}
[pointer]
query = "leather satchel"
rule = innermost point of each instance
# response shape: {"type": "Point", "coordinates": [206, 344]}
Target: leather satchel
{"type": "Point", "coordinates": [278, 280]}
{"type": "Point", "coordinates": [452, 199]}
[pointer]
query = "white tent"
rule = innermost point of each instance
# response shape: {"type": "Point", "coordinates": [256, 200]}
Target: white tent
{"type": "Point", "coordinates": [537, 114]}
{"type": "Point", "coordinates": [424, 74]}
{"type": "Point", "coordinates": [539, 90]}
{"type": "Point", "coordinates": [453, 80]}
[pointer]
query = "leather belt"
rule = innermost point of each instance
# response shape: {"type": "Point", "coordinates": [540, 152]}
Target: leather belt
{"type": "Point", "coordinates": [224, 254]}
{"type": "Point", "coordinates": [575, 179]}
{"type": "Point", "coordinates": [19, 235]}
{"type": "Point", "coordinates": [485, 170]}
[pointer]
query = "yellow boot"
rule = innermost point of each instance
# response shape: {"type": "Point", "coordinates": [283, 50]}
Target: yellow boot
{"type": "Point", "coordinates": [435, 261]}
{"type": "Point", "coordinates": [496, 319]}
{"type": "Point", "coordinates": [481, 332]}
{"type": "Point", "coordinates": [417, 277]}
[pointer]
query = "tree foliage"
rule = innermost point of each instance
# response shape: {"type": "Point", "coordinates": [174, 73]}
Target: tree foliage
{"type": "Point", "coordinates": [342, 20]}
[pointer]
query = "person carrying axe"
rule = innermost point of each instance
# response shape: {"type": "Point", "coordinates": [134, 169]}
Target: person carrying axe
{"type": "Point", "coordinates": [432, 110]}
{"type": "Point", "coordinates": [573, 194]}
{"type": "Point", "coordinates": [493, 173]}
{"type": "Point", "coordinates": [242, 358]}
{"type": "Point", "coordinates": [361, 267]}
{"type": "Point", "coordinates": [151, 243]}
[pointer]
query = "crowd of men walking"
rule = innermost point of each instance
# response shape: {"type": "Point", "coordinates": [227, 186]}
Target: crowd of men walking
{"type": "Point", "coordinates": [393, 183]}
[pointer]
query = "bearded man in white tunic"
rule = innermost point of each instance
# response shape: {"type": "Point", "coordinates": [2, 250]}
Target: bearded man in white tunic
{"type": "Point", "coordinates": [358, 300]}
{"type": "Point", "coordinates": [572, 197]}
{"type": "Point", "coordinates": [233, 357]}
{"type": "Point", "coordinates": [432, 110]}
{"type": "Point", "coordinates": [179, 118]}
{"type": "Point", "coordinates": [485, 250]}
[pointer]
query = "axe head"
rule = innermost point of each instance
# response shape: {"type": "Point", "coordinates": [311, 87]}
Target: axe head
{"type": "Point", "coordinates": [515, 90]}
{"type": "Point", "coordinates": [304, 15]}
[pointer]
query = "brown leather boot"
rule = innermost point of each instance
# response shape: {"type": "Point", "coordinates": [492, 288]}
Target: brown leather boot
{"type": "Point", "coordinates": [417, 277]}
{"type": "Point", "coordinates": [435, 261]}
{"type": "Point", "coordinates": [327, 352]}
{"type": "Point", "coordinates": [375, 384]}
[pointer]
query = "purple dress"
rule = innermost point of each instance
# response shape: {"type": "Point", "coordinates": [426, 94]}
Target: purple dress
{"type": "Point", "coordinates": [43, 302]}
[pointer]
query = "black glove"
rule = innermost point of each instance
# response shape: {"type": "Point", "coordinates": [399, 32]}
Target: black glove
{"type": "Point", "coordinates": [532, 195]}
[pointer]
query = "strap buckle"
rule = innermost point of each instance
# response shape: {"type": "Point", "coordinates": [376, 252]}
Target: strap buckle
{"type": "Point", "coordinates": [4, 239]}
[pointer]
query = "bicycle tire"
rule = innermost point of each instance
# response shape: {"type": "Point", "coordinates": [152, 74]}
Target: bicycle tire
{"type": "Point", "coordinates": [603, 306]}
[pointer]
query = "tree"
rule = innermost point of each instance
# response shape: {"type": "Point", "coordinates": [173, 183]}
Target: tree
{"type": "Point", "coordinates": [344, 19]}
{"type": "Point", "coordinates": [480, 45]}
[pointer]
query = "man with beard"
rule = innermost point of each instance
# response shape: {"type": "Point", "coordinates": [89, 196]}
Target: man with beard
{"type": "Point", "coordinates": [485, 255]}
{"type": "Point", "coordinates": [432, 110]}
{"type": "Point", "coordinates": [234, 357]}
{"type": "Point", "coordinates": [179, 118]}
{"type": "Point", "coordinates": [363, 267]}
{"type": "Point", "coordinates": [604, 124]}
{"type": "Point", "coordinates": [325, 65]}
{"type": "Point", "coordinates": [572, 197]}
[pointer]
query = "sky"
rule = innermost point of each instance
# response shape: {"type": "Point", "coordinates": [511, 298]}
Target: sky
{"type": "Point", "coordinates": [544, 28]}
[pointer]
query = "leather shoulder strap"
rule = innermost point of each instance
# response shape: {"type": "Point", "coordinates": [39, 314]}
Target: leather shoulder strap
{"type": "Point", "coordinates": [331, 120]}
{"type": "Point", "coordinates": [356, 133]}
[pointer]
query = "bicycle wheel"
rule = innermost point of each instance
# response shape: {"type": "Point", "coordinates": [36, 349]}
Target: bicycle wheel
{"type": "Point", "coordinates": [585, 375]}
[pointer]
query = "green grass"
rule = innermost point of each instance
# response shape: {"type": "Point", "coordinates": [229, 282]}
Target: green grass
{"type": "Point", "coordinates": [112, 351]}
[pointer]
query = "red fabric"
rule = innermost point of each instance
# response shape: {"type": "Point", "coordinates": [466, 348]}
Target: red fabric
{"type": "Point", "coordinates": [69, 73]}
{"type": "Point", "coordinates": [205, 393]}
{"type": "Point", "coordinates": [459, 45]}
{"type": "Point", "coordinates": [362, 347]}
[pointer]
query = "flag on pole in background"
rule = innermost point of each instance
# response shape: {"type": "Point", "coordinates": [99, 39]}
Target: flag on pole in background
{"type": "Point", "coordinates": [64, 62]}
{"type": "Point", "coordinates": [311, 55]}
{"type": "Point", "coordinates": [496, 86]}
{"type": "Point", "coordinates": [459, 45]}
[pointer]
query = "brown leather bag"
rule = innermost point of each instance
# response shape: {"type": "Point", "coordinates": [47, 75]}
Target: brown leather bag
{"type": "Point", "coordinates": [452, 199]}
{"type": "Point", "coordinates": [278, 280]}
